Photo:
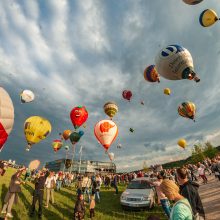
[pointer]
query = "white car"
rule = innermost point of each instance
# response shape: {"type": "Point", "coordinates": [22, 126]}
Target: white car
{"type": "Point", "coordinates": [139, 194]}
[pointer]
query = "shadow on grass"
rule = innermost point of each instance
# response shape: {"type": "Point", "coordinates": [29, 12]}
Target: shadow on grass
{"type": "Point", "coordinates": [3, 193]}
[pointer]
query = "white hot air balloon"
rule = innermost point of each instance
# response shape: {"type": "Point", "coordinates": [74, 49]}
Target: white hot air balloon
{"type": "Point", "coordinates": [27, 96]}
{"type": "Point", "coordinates": [111, 156]}
{"type": "Point", "coordinates": [175, 63]}
{"type": "Point", "coordinates": [6, 116]}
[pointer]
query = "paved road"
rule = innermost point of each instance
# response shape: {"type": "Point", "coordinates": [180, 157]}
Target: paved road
{"type": "Point", "coordinates": [210, 194]}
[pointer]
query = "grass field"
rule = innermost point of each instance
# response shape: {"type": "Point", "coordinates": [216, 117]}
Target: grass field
{"type": "Point", "coordinates": [108, 209]}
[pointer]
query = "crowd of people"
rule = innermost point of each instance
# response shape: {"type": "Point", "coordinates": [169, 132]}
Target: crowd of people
{"type": "Point", "coordinates": [178, 186]}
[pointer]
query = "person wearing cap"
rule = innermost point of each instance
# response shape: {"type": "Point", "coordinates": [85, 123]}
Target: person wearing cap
{"type": "Point", "coordinates": [12, 194]}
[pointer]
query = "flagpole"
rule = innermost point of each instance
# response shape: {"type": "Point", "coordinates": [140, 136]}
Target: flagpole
{"type": "Point", "coordinates": [80, 158]}
{"type": "Point", "coordinates": [71, 169]}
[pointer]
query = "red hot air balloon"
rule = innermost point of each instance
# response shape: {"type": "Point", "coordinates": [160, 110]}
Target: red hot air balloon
{"type": "Point", "coordinates": [106, 132]}
{"type": "Point", "coordinates": [6, 116]}
{"type": "Point", "coordinates": [78, 116]}
{"type": "Point", "coordinates": [127, 94]}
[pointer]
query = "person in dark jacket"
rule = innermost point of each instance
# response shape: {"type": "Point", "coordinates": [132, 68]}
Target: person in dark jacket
{"type": "Point", "coordinates": [38, 194]}
{"type": "Point", "coordinates": [79, 210]}
{"type": "Point", "coordinates": [189, 190]}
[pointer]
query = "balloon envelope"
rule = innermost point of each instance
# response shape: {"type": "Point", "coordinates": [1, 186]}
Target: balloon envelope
{"type": "Point", "coordinates": [6, 116]}
{"type": "Point", "coordinates": [182, 143]}
{"type": "Point", "coordinates": [57, 144]}
{"type": "Point", "coordinates": [127, 94]}
{"type": "Point", "coordinates": [192, 2]}
{"type": "Point", "coordinates": [111, 156]}
{"type": "Point", "coordinates": [34, 164]}
{"type": "Point", "coordinates": [78, 116]}
{"type": "Point", "coordinates": [110, 109]}
{"type": "Point", "coordinates": [27, 96]}
{"type": "Point", "coordinates": [167, 91]}
{"type": "Point", "coordinates": [36, 128]}
{"type": "Point", "coordinates": [151, 74]}
{"type": "Point", "coordinates": [75, 137]}
{"type": "Point", "coordinates": [106, 132]}
{"type": "Point", "coordinates": [208, 17]}
{"type": "Point", "coordinates": [187, 110]}
{"type": "Point", "coordinates": [175, 63]}
{"type": "Point", "coordinates": [66, 134]}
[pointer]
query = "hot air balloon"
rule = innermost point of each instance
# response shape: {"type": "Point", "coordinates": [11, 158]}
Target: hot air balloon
{"type": "Point", "coordinates": [6, 116]}
{"type": "Point", "coordinates": [182, 143]}
{"type": "Point", "coordinates": [27, 96]}
{"type": "Point", "coordinates": [66, 134]}
{"type": "Point", "coordinates": [127, 94]}
{"type": "Point", "coordinates": [34, 164]}
{"type": "Point", "coordinates": [167, 91]}
{"type": "Point", "coordinates": [192, 2]}
{"type": "Point", "coordinates": [57, 144]}
{"type": "Point", "coordinates": [151, 74]}
{"type": "Point", "coordinates": [68, 163]}
{"type": "Point", "coordinates": [67, 148]}
{"type": "Point", "coordinates": [110, 109]}
{"type": "Point", "coordinates": [175, 63]}
{"type": "Point", "coordinates": [187, 110]}
{"type": "Point", "coordinates": [75, 136]}
{"type": "Point", "coordinates": [142, 102]}
{"type": "Point", "coordinates": [119, 146]}
{"type": "Point", "coordinates": [78, 116]}
{"type": "Point", "coordinates": [111, 156]}
{"type": "Point", "coordinates": [131, 130]}
{"type": "Point", "coordinates": [36, 128]}
{"type": "Point", "coordinates": [106, 132]}
{"type": "Point", "coordinates": [208, 17]}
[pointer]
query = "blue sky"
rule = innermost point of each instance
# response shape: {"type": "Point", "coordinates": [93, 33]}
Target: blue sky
{"type": "Point", "coordinates": [87, 52]}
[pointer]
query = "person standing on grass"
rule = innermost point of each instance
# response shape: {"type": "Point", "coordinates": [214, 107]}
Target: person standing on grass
{"type": "Point", "coordinates": [79, 210]}
{"type": "Point", "coordinates": [115, 184]}
{"type": "Point", "coordinates": [38, 194]}
{"type": "Point", "coordinates": [201, 171]}
{"type": "Point", "coordinates": [50, 185]}
{"type": "Point", "coordinates": [92, 207]}
{"type": "Point", "coordinates": [12, 194]}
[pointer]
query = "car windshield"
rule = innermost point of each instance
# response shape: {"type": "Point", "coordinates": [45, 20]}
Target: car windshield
{"type": "Point", "coordinates": [139, 184]}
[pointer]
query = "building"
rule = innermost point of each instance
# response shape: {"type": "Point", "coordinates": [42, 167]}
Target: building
{"type": "Point", "coordinates": [86, 166]}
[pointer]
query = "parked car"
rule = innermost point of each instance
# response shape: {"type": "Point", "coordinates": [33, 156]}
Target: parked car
{"type": "Point", "coordinates": [139, 194]}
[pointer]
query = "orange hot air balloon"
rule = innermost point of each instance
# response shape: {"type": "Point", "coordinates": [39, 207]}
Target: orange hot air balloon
{"type": "Point", "coordinates": [66, 134]}
{"type": "Point", "coordinates": [106, 132]}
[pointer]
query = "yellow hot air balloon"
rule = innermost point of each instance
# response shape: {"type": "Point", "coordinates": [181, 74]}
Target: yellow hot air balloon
{"type": "Point", "coordinates": [167, 91]}
{"type": "Point", "coordinates": [110, 109]}
{"type": "Point", "coordinates": [182, 143]}
{"type": "Point", "coordinates": [36, 129]}
{"type": "Point", "coordinates": [208, 17]}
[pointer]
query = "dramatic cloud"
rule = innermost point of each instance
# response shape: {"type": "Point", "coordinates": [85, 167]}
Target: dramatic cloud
{"type": "Point", "coordinates": [87, 52]}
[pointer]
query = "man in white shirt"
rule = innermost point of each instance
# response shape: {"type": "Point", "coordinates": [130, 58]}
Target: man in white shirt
{"type": "Point", "coordinates": [201, 171]}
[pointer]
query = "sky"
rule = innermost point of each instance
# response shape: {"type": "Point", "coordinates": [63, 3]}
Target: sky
{"type": "Point", "coordinates": [72, 53]}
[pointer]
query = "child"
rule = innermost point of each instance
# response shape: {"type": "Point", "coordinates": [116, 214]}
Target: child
{"type": "Point", "coordinates": [92, 207]}
{"type": "Point", "coordinates": [79, 211]}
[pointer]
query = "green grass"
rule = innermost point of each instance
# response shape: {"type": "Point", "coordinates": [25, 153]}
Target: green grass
{"type": "Point", "coordinates": [108, 209]}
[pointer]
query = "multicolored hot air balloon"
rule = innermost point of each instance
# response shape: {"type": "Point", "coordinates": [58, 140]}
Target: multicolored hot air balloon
{"type": "Point", "coordinates": [208, 17]}
{"type": "Point", "coordinates": [151, 74]}
{"type": "Point", "coordinates": [106, 132]}
{"type": "Point", "coordinates": [36, 129]}
{"type": "Point", "coordinates": [66, 134]}
{"type": "Point", "coordinates": [75, 136]}
{"type": "Point", "coordinates": [57, 144]}
{"type": "Point", "coordinates": [6, 116]}
{"type": "Point", "coordinates": [127, 94]}
{"type": "Point", "coordinates": [175, 63]}
{"type": "Point", "coordinates": [27, 96]}
{"type": "Point", "coordinates": [110, 109]}
{"type": "Point", "coordinates": [167, 91]}
{"type": "Point", "coordinates": [78, 116]}
{"type": "Point", "coordinates": [182, 143]}
{"type": "Point", "coordinates": [187, 110]}
{"type": "Point", "coordinates": [111, 156]}
{"type": "Point", "coordinates": [192, 2]}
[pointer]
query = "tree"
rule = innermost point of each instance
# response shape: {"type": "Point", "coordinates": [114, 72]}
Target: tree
{"type": "Point", "coordinates": [197, 153]}
{"type": "Point", "coordinates": [209, 151]}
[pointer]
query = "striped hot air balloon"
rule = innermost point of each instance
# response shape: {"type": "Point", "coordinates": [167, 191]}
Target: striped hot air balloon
{"type": "Point", "coordinates": [187, 110]}
{"type": "Point", "coordinates": [151, 74]}
{"type": "Point", "coordinates": [110, 109]}
{"type": "Point", "coordinates": [6, 116]}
